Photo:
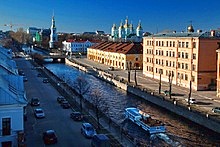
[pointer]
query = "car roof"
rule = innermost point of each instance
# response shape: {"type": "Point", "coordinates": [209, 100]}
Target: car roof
{"type": "Point", "coordinates": [38, 109]}
{"type": "Point", "coordinates": [50, 131]}
{"type": "Point", "coordinates": [87, 124]}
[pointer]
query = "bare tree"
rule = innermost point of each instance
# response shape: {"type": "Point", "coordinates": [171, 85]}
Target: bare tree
{"type": "Point", "coordinates": [82, 87]}
{"type": "Point", "coordinates": [99, 104]}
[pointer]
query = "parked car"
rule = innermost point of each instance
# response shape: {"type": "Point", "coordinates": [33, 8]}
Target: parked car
{"type": "Point", "coordinates": [35, 102]}
{"type": "Point", "coordinates": [100, 140]}
{"type": "Point", "coordinates": [77, 116]}
{"type": "Point", "coordinates": [39, 113]}
{"type": "Point", "coordinates": [111, 68]}
{"type": "Point", "coordinates": [216, 109]}
{"type": "Point", "coordinates": [39, 75]}
{"type": "Point", "coordinates": [166, 92]}
{"type": "Point", "coordinates": [45, 80]}
{"type": "Point", "coordinates": [60, 99]}
{"type": "Point", "coordinates": [49, 137]}
{"type": "Point", "coordinates": [88, 130]}
{"type": "Point", "coordinates": [25, 79]}
{"type": "Point", "coordinates": [191, 100]}
{"type": "Point", "coordinates": [65, 104]}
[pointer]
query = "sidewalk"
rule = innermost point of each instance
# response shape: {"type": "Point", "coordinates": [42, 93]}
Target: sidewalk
{"type": "Point", "coordinates": [206, 99]}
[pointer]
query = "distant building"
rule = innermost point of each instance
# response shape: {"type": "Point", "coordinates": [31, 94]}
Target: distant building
{"type": "Point", "coordinates": [53, 34]}
{"type": "Point", "coordinates": [118, 55]}
{"type": "Point", "coordinates": [89, 33]}
{"type": "Point", "coordinates": [182, 57]}
{"type": "Point", "coordinates": [73, 46]}
{"type": "Point", "coordinates": [12, 102]}
{"type": "Point", "coordinates": [100, 32]}
{"type": "Point", "coordinates": [33, 30]}
{"type": "Point", "coordinates": [126, 32]}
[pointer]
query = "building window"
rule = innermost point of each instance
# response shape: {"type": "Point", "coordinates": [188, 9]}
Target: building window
{"type": "Point", "coordinates": [179, 45]}
{"type": "Point", "coordinates": [194, 67]}
{"type": "Point", "coordinates": [167, 53]}
{"type": "Point", "coordinates": [167, 43]}
{"type": "Point", "coordinates": [186, 77]}
{"type": "Point", "coordinates": [173, 43]}
{"type": "Point", "coordinates": [166, 62]}
{"type": "Point", "coordinates": [170, 54]}
{"type": "Point", "coordinates": [173, 63]}
{"type": "Point", "coordinates": [136, 59]}
{"type": "Point", "coordinates": [186, 55]}
{"type": "Point", "coordinates": [162, 43]}
{"type": "Point", "coordinates": [156, 43]}
{"type": "Point", "coordinates": [178, 54]}
{"type": "Point", "coordinates": [194, 56]}
{"type": "Point", "coordinates": [173, 54]}
{"type": "Point", "coordinates": [194, 44]}
{"type": "Point", "coordinates": [187, 44]}
{"type": "Point", "coordinates": [161, 53]}
{"type": "Point", "coordinates": [170, 43]}
{"type": "Point", "coordinates": [156, 52]}
{"type": "Point", "coordinates": [193, 79]}
{"type": "Point", "coordinates": [182, 65]}
{"type": "Point", "coordinates": [178, 65]}
{"type": "Point", "coordinates": [182, 54]}
{"type": "Point", "coordinates": [186, 66]}
{"type": "Point", "coordinates": [6, 126]}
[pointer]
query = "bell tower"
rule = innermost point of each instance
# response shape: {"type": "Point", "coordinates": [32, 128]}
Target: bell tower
{"type": "Point", "coordinates": [53, 34]}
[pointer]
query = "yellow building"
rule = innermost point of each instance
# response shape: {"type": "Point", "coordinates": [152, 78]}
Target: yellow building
{"type": "Point", "coordinates": [186, 56]}
{"type": "Point", "coordinates": [117, 54]}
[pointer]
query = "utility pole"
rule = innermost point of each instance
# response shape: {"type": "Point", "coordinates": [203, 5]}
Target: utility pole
{"type": "Point", "coordinates": [160, 82]}
{"type": "Point", "coordinates": [135, 76]}
{"type": "Point", "coordinates": [129, 71]}
{"type": "Point", "coordinates": [190, 92]}
{"type": "Point", "coordinates": [170, 84]}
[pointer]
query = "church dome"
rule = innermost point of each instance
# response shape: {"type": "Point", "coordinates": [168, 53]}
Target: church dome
{"type": "Point", "coordinates": [121, 26]}
{"type": "Point", "coordinates": [114, 27]}
{"type": "Point", "coordinates": [190, 28]}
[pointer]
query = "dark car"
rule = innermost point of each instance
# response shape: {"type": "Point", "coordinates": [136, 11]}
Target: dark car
{"type": "Point", "coordinates": [88, 130]}
{"type": "Point", "coordinates": [100, 140]}
{"type": "Point", "coordinates": [77, 116]}
{"type": "Point", "coordinates": [65, 104]}
{"type": "Point", "coordinates": [49, 137]}
{"type": "Point", "coordinates": [39, 75]}
{"type": "Point", "coordinates": [35, 102]}
{"type": "Point", "coordinates": [60, 99]}
{"type": "Point", "coordinates": [45, 80]}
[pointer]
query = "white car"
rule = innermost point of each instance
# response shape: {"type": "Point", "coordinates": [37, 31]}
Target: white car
{"type": "Point", "coordinates": [191, 100]}
{"type": "Point", "coordinates": [39, 113]}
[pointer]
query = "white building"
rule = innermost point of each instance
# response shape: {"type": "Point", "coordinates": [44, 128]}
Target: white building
{"type": "Point", "coordinates": [72, 46]}
{"type": "Point", "coordinates": [12, 102]}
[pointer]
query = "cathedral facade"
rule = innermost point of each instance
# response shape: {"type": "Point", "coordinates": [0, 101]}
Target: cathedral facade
{"type": "Point", "coordinates": [126, 33]}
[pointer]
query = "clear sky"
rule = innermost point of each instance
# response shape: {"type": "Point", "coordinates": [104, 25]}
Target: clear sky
{"type": "Point", "coordinates": [90, 15]}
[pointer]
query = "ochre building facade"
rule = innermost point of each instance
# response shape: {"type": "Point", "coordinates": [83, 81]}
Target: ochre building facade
{"type": "Point", "coordinates": [122, 55]}
{"type": "Point", "coordinates": [182, 57]}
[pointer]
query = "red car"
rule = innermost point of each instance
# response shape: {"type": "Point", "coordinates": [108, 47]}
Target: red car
{"type": "Point", "coordinates": [49, 137]}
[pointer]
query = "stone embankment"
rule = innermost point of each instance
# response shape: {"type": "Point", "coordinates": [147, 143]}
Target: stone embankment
{"type": "Point", "coordinates": [172, 105]}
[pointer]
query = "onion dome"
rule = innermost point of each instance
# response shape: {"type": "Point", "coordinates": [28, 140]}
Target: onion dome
{"type": "Point", "coordinates": [190, 28]}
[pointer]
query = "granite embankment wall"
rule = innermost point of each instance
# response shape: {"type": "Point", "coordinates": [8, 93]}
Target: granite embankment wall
{"type": "Point", "coordinates": [171, 105]}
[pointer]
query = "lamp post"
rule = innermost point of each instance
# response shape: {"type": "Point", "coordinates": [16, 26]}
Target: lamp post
{"type": "Point", "coordinates": [135, 76]}
{"type": "Point", "coordinates": [160, 82]}
{"type": "Point", "coordinates": [129, 71]}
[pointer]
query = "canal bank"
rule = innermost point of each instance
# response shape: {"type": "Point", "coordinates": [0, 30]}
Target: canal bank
{"type": "Point", "coordinates": [189, 112]}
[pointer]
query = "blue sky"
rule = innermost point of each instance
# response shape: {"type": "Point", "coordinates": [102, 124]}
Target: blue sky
{"type": "Point", "coordinates": [91, 15]}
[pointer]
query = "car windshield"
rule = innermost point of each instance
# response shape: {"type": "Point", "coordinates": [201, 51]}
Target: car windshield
{"type": "Point", "coordinates": [39, 111]}
{"type": "Point", "coordinates": [89, 128]}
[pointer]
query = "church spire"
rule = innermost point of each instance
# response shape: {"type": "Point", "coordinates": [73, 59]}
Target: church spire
{"type": "Point", "coordinates": [53, 35]}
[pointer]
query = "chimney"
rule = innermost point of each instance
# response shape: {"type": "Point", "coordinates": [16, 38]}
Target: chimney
{"type": "Point", "coordinates": [212, 33]}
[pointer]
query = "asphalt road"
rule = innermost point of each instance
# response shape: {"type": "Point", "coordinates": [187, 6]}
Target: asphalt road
{"type": "Point", "coordinates": [56, 117]}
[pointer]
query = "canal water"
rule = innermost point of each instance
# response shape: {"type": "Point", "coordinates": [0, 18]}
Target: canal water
{"type": "Point", "coordinates": [180, 132]}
